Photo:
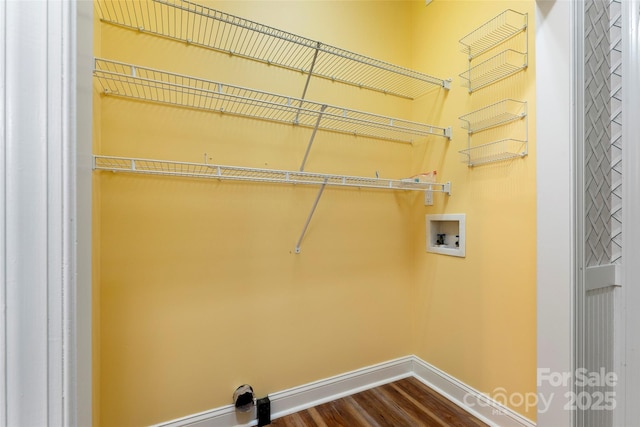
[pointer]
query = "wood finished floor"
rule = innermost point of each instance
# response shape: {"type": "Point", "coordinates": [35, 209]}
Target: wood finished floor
{"type": "Point", "coordinates": [403, 403]}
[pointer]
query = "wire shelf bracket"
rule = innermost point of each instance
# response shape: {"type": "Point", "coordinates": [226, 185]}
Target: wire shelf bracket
{"type": "Point", "coordinates": [142, 83]}
{"type": "Point", "coordinates": [313, 136]}
{"type": "Point", "coordinates": [235, 173]}
{"type": "Point", "coordinates": [310, 73]}
{"type": "Point", "coordinates": [313, 209]}
{"type": "Point", "coordinates": [202, 26]}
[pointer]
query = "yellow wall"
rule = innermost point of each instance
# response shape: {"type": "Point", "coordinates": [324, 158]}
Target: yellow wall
{"type": "Point", "coordinates": [200, 290]}
{"type": "Point", "coordinates": [475, 316]}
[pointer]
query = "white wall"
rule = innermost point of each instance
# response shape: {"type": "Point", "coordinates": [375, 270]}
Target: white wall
{"type": "Point", "coordinates": [631, 208]}
{"type": "Point", "coordinates": [555, 202]}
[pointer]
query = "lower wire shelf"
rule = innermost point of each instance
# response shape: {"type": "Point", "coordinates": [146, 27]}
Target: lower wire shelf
{"type": "Point", "coordinates": [220, 172]}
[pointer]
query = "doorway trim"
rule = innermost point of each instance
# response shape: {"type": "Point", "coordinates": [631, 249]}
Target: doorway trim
{"type": "Point", "coordinates": [555, 183]}
{"type": "Point", "coordinates": [631, 208]}
{"type": "Point", "coordinates": [45, 211]}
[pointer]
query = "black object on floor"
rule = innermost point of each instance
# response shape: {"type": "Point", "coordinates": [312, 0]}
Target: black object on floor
{"type": "Point", "coordinates": [264, 411]}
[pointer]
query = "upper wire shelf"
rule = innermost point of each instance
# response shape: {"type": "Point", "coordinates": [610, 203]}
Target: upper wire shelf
{"type": "Point", "coordinates": [493, 32]}
{"type": "Point", "coordinates": [159, 86]}
{"type": "Point", "coordinates": [202, 26]}
{"type": "Point", "coordinates": [497, 67]}
{"type": "Point", "coordinates": [204, 170]}
{"type": "Point", "coordinates": [500, 113]}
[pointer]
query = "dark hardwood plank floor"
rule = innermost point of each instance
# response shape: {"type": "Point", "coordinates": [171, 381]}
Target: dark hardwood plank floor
{"type": "Point", "coordinates": [403, 403]}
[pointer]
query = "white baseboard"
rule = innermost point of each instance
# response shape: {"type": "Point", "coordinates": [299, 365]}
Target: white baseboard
{"type": "Point", "coordinates": [318, 392]}
{"type": "Point", "coordinates": [305, 396]}
{"type": "Point", "coordinates": [313, 394]}
{"type": "Point", "coordinates": [468, 398]}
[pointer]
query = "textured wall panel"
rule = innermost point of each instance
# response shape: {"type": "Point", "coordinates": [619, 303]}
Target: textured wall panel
{"type": "Point", "coordinates": [597, 130]}
{"type": "Point", "coordinates": [599, 344]}
{"type": "Point", "coordinates": [616, 131]}
{"type": "Point", "coordinates": [603, 185]}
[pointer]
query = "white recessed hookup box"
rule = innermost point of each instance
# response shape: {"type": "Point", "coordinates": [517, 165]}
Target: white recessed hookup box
{"type": "Point", "coordinates": [446, 234]}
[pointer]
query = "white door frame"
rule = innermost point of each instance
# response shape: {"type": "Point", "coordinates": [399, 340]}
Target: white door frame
{"type": "Point", "coordinates": [45, 212]}
{"type": "Point", "coordinates": [556, 227]}
{"type": "Point", "coordinates": [631, 207]}
{"type": "Point", "coordinates": [556, 205]}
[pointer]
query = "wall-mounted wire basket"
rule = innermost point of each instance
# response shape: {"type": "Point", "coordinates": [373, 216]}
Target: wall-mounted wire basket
{"type": "Point", "coordinates": [493, 32]}
{"type": "Point", "coordinates": [498, 114]}
{"type": "Point", "coordinates": [496, 151]}
{"type": "Point", "coordinates": [498, 67]}
{"type": "Point", "coordinates": [506, 112]}
{"type": "Point", "coordinates": [202, 26]}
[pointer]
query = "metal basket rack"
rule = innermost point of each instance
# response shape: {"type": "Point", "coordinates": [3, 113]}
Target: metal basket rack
{"type": "Point", "coordinates": [220, 172]}
{"type": "Point", "coordinates": [505, 149]}
{"type": "Point", "coordinates": [494, 32]}
{"type": "Point", "coordinates": [199, 25]}
{"type": "Point", "coordinates": [499, 114]}
{"type": "Point", "coordinates": [148, 84]}
{"type": "Point", "coordinates": [485, 39]}
{"type": "Point", "coordinates": [496, 68]}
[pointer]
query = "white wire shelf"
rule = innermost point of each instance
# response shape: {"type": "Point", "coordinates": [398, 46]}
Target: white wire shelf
{"type": "Point", "coordinates": [209, 28]}
{"type": "Point", "coordinates": [220, 172]}
{"type": "Point", "coordinates": [498, 67]}
{"type": "Point", "coordinates": [148, 84]}
{"type": "Point", "coordinates": [500, 113]}
{"type": "Point", "coordinates": [493, 32]}
{"type": "Point", "coordinates": [496, 151]}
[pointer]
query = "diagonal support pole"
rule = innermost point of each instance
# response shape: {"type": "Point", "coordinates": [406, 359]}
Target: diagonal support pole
{"type": "Point", "coordinates": [313, 136]}
{"type": "Point", "coordinates": [313, 209]}
{"type": "Point", "coordinates": [306, 84]}
{"type": "Point", "coordinates": [313, 64]}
